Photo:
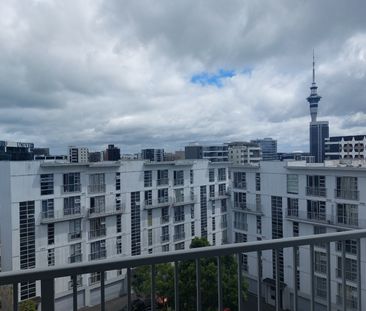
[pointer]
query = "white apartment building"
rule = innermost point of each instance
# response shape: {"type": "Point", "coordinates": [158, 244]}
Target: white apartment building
{"type": "Point", "coordinates": [78, 154]}
{"type": "Point", "coordinates": [285, 199]}
{"type": "Point", "coordinates": [58, 213]}
{"type": "Point", "coordinates": [244, 153]}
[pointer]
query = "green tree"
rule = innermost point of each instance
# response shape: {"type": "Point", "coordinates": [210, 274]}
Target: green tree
{"type": "Point", "coordinates": [187, 281]}
{"type": "Point", "coordinates": [27, 305]}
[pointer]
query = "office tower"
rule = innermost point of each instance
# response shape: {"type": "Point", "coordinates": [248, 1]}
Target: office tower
{"type": "Point", "coordinates": [268, 147]}
{"type": "Point", "coordinates": [112, 153]}
{"type": "Point", "coordinates": [350, 147]}
{"type": "Point", "coordinates": [16, 151]}
{"type": "Point", "coordinates": [318, 130]}
{"type": "Point", "coordinates": [78, 154]}
{"type": "Point", "coordinates": [154, 155]}
{"type": "Point", "coordinates": [244, 153]}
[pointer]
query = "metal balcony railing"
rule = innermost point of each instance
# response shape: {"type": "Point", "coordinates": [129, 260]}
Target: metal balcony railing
{"type": "Point", "coordinates": [47, 276]}
{"type": "Point", "coordinates": [102, 254]}
{"type": "Point", "coordinates": [240, 185]}
{"type": "Point", "coordinates": [178, 182]}
{"type": "Point", "coordinates": [97, 188]}
{"type": "Point", "coordinates": [61, 215]}
{"type": "Point", "coordinates": [75, 235]}
{"type": "Point", "coordinates": [75, 258]}
{"type": "Point", "coordinates": [72, 188]}
{"type": "Point", "coordinates": [347, 194]}
{"type": "Point", "coordinates": [218, 195]}
{"type": "Point", "coordinates": [107, 210]}
{"type": "Point", "coordinates": [164, 238]}
{"type": "Point", "coordinates": [98, 233]}
{"type": "Point", "coordinates": [250, 208]}
{"type": "Point", "coordinates": [159, 202]}
{"type": "Point", "coordinates": [179, 236]}
{"type": "Point", "coordinates": [316, 191]}
{"type": "Point", "coordinates": [162, 181]}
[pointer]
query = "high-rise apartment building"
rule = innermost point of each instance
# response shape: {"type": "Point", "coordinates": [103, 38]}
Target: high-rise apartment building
{"type": "Point", "coordinates": [78, 154]}
{"type": "Point", "coordinates": [318, 130]}
{"type": "Point", "coordinates": [59, 213]}
{"type": "Point", "coordinates": [241, 153]}
{"type": "Point", "coordinates": [268, 147]}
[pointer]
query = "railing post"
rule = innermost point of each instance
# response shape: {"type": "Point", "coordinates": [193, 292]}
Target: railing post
{"type": "Point", "coordinates": [102, 291]}
{"type": "Point", "coordinates": [240, 282]}
{"type": "Point", "coordinates": [48, 294]}
{"type": "Point", "coordinates": [153, 287]}
{"type": "Point", "coordinates": [359, 292]}
{"type": "Point", "coordinates": [74, 293]}
{"type": "Point", "coordinates": [129, 299]}
{"type": "Point", "coordinates": [219, 283]}
{"type": "Point", "coordinates": [312, 303]}
{"type": "Point", "coordinates": [329, 297]}
{"type": "Point", "coordinates": [259, 282]}
{"type": "Point", "coordinates": [294, 264]}
{"type": "Point", "coordinates": [344, 275]}
{"type": "Point", "coordinates": [15, 296]}
{"type": "Point", "coordinates": [278, 294]}
{"type": "Point", "coordinates": [176, 286]}
{"type": "Point", "coordinates": [198, 285]}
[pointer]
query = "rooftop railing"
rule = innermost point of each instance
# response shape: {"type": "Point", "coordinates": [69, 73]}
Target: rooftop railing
{"type": "Point", "coordinates": [48, 275]}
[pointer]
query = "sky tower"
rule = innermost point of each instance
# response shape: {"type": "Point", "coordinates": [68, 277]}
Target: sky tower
{"type": "Point", "coordinates": [319, 130]}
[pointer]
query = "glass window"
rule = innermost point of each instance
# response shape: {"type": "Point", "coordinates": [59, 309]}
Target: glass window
{"type": "Point", "coordinates": [292, 183]}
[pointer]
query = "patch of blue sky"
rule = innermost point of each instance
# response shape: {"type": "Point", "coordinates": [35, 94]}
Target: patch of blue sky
{"type": "Point", "coordinates": [215, 79]}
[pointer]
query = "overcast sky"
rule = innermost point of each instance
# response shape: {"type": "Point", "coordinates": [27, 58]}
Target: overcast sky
{"type": "Point", "coordinates": [165, 73]}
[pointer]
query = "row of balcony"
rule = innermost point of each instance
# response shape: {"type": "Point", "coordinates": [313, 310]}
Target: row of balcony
{"type": "Point", "coordinates": [249, 208]}
{"type": "Point", "coordinates": [93, 189]}
{"type": "Point", "coordinates": [344, 194]}
{"type": "Point", "coordinates": [166, 201]}
{"type": "Point", "coordinates": [52, 216]}
{"type": "Point", "coordinates": [322, 218]}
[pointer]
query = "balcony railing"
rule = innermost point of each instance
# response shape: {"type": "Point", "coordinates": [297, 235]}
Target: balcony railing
{"type": "Point", "coordinates": [75, 235]}
{"type": "Point", "coordinates": [61, 215]}
{"type": "Point", "coordinates": [250, 208]}
{"type": "Point", "coordinates": [179, 236]}
{"type": "Point", "coordinates": [164, 238]}
{"type": "Point", "coordinates": [162, 181]}
{"type": "Point", "coordinates": [72, 188]}
{"type": "Point", "coordinates": [156, 203]}
{"type": "Point", "coordinates": [218, 195]}
{"type": "Point", "coordinates": [184, 200]}
{"type": "Point", "coordinates": [106, 211]}
{"type": "Point", "coordinates": [98, 233]}
{"type": "Point", "coordinates": [97, 188]}
{"type": "Point", "coordinates": [75, 258]}
{"type": "Point", "coordinates": [240, 185]}
{"type": "Point", "coordinates": [164, 219]}
{"type": "Point", "coordinates": [102, 254]}
{"type": "Point", "coordinates": [178, 182]}
{"type": "Point", "coordinates": [47, 276]}
{"type": "Point", "coordinates": [347, 194]}
{"type": "Point", "coordinates": [316, 191]}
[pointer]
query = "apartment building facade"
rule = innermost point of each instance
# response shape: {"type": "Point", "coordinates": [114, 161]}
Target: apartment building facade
{"type": "Point", "coordinates": [59, 213]}
{"type": "Point", "coordinates": [285, 199]}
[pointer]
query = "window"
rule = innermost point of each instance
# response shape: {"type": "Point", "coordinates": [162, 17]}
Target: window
{"type": "Point", "coordinates": [164, 215]}
{"type": "Point", "coordinates": [320, 230]}
{"type": "Point", "coordinates": [213, 238]}
{"type": "Point", "coordinates": [211, 175]}
{"type": "Point", "coordinates": [351, 246]}
{"type": "Point", "coordinates": [240, 221]}
{"type": "Point", "coordinates": [163, 178]}
{"type": "Point", "coordinates": [179, 195]}
{"type": "Point", "coordinates": [292, 183]}
{"type": "Point", "coordinates": [259, 224]}
{"type": "Point", "coordinates": [212, 191]}
{"type": "Point", "coordinates": [223, 221]}
{"type": "Point", "coordinates": [351, 296]}
{"type": "Point", "coordinates": [149, 237]}
{"type": "Point", "coordinates": [165, 248]}
{"type": "Point", "coordinates": [223, 206]}
{"type": "Point", "coordinates": [240, 200]}
{"type": "Point", "coordinates": [148, 197]}
{"type": "Point", "coordinates": [118, 202]}
{"type": "Point", "coordinates": [179, 213]}
{"type": "Point", "coordinates": [72, 206]}
{"type": "Point", "coordinates": [164, 234]}
{"type": "Point", "coordinates": [191, 194]}
{"type": "Point", "coordinates": [118, 224]}
{"type": "Point", "coordinates": [75, 253]}
{"type": "Point", "coordinates": [320, 287]}
{"type": "Point", "coordinates": [97, 227]}
{"type": "Point", "coordinates": [316, 210]}
{"type": "Point", "coordinates": [71, 182]}
{"type": "Point", "coordinates": [119, 244]}
{"type": "Point", "coordinates": [213, 224]}
{"type": "Point", "coordinates": [347, 188]}
{"type": "Point", "coordinates": [347, 214]}
{"type": "Point", "coordinates": [118, 181]}
{"type": "Point", "coordinates": [97, 250]}
{"type": "Point", "coordinates": [179, 232]}
{"type": "Point", "coordinates": [240, 180]}
{"type": "Point", "coordinates": [178, 178]}
{"type": "Point", "coordinates": [51, 256]}
{"type": "Point", "coordinates": [75, 229]}
{"type": "Point", "coordinates": [51, 234]}
{"type": "Point", "coordinates": [315, 185]}
{"type": "Point", "coordinates": [222, 174]}
{"type": "Point", "coordinates": [149, 218]}
{"type": "Point", "coordinates": [293, 207]}
{"type": "Point", "coordinates": [257, 182]}
{"type": "Point", "coordinates": [79, 282]}
{"type": "Point", "coordinates": [163, 195]}
{"type": "Point", "coordinates": [240, 237]}
{"type": "Point", "coordinates": [179, 246]}
{"type": "Point", "coordinates": [320, 259]}
{"type": "Point", "coordinates": [97, 204]}
{"type": "Point", "coordinates": [95, 277]}
{"type": "Point", "coordinates": [350, 270]}
{"type": "Point", "coordinates": [295, 228]}
{"type": "Point", "coordinates": [46, 184]}
{"type": "Point", "coordinates": [191, 176]}
{"type": "Point", "coordinates": [147, 178]}
{"type": "Point", "coordinates": [222, 189]}
{"type": "Point", "coordinates": [192, 229]}
{"type": "Point", "coordinates": [97, 183]}
{"type": "Point", "coordinates": [48, 208]}
{"type": "Point", "coordinates": [213, 208]}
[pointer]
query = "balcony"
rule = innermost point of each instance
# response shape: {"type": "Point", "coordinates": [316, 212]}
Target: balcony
{"type": "Point", "coordinates": [184, 200]}
{"type": "Point", "coordinates": [98, 188]}
{"type": "Point", "coordinates": [75, 258]}
{"type": "Point", "coordinates": [109, 210]}
{"type": "Point", "coordinates": [347, 194]}
{"type": "Point", "coordinates": [179, 236]}
{"type": "Point", "coordinates": [164, 219]}
{"type": "Point", "coordinates": [240, 185]}
{"type": "Point", "coordinates": [73, 188]}
{"type": "Point", "coordinates": [249, 208]}
{"type": "Point", "coordinates": [160, 202]}
{"type": "Point", "coordinates": [46, 276]}
{"type": "Point", "coordinates": [178, 182]}
{"type": "Point", "coordinates": [179, 218]}
{"type": "Point", "coordinates": [162, 181]}
{"type": "Point", "coordinates": [164, 238]}
{"type": "Point", "coordinates": [316, 191]}
{"type": "Point", "coordinates": [218, 195]}
{"type": "Point", "coordinates": [61, 215]}
{"type": "Point", "coordinates": [101, 254]}
{"type": "Point", "coordinates": [75, 235]}
{"type": "Point", "coordinates": [98, 233]}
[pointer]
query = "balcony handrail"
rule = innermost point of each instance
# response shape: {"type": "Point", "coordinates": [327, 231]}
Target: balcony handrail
{"type": "Point", "coordinates": [36, 274]}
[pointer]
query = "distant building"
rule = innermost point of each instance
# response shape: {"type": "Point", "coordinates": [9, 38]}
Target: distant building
{"type": "Point", "coordinates": [16, 151]}
{"type": "Point", "coordinates": [319, 130]}
{"type": "Point", "coordinates": [41, 152]}
{"type": "Point", "coordinates": [174, 156]}
{"type": "Point", "coordinates": [345, 147]}
{"type": "Point", "coordinates": [244, 153]}
{"type": "Point", "coordinates": [214, 153]}
{"type": "Point", "coordinates": [112, 153]}
{"type": "Point", "coordinates": [297, 156]}
{"type": "Point", "coordinates": [78, 154]}
{"type": "Point", "coordinates": [96, 156]}
{"type": "Point", "coordinates": [131, 156]}
{"type": "Point", "coordinates": [154, 155]}
{"type": "Point", "coordinates": [268, 147]}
